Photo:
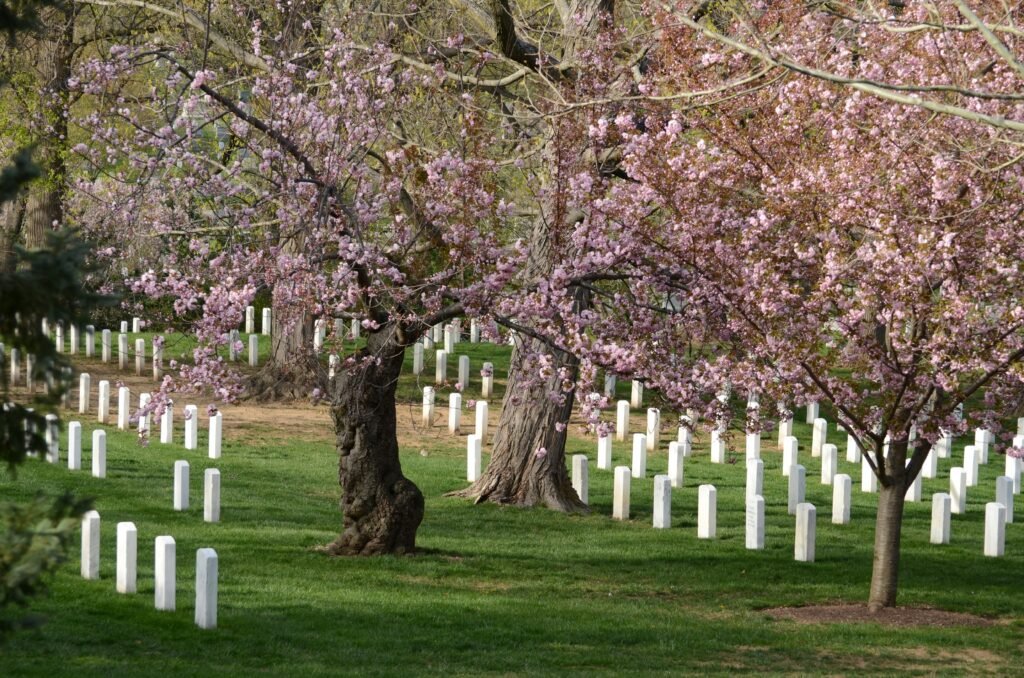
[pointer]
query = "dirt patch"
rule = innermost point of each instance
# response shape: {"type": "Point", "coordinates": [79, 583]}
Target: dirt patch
{"type": "Point", "coordinates": [893, 616]}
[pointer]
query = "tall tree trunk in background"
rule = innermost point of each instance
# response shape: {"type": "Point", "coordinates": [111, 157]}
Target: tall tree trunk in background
{"type": "Point", "coordinates": [292, 369]}
{"type": "Point", "coordinates": [527, 466]}
{"type": "Point", "coordinates": [50, 56]}
{"type": "Point", "coordinates": [382, 508]}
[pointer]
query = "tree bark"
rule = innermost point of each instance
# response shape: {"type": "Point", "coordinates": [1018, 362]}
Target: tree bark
{"type": "Point", "coordinates": [888, 527]}
{"type": "Point", "coordinates": [51, 56]}
{"type": "Point", "coordinates": [518, 472]}
{"type": "Point", "coordinates": [292, 370]}
{"type": "Point", "coordinates": [382, 509]}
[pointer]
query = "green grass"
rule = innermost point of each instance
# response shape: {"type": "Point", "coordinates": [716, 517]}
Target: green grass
{"type": "Point", "coordinates": [503, 591]}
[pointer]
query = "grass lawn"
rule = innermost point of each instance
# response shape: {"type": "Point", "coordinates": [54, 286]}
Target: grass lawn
{"type": "Point", "coordinates": [502, 591]}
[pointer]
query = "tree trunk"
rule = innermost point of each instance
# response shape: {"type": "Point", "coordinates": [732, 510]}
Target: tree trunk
{"type": "Point", "coordinates": [382, 508]}
{"type": "Point", "coordinates": [888, 526]}
{"type": "Point", "coordinates": [292, 370]}
{"type": "Point", "coordinates": [51, 56]}
{"type": "Point", "coordinates": [519, 473]}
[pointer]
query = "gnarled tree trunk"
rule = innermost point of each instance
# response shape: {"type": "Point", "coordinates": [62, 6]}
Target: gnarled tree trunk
{"type": "Point", "coordinates": [293, 369]}
{"type": "Point", "coordinates": [382, 508]}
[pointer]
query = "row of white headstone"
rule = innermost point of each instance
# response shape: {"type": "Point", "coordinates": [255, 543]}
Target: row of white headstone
{"type": "Point", "coordinates": [124, 415]}
{"type": "Point", "coordinates": [441, 371]}
{"type": "Point", "coordinates": [842, 483]}
{"type": "Point", "coordinates": [165, 568]}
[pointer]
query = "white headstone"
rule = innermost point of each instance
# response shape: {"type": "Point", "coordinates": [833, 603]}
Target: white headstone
{"type": "Point", "coordinates": [604, 453]}
{"type": "Point", "coordinates": [803, 548]}
{"type": "Point", "coordinates": [620, 496]}
{"type": "Point", "coordinates": [972, 457]}
{"type": "Point", "coordinates": [785, 430]}
{"type": "Point", "coordinates": [449, 340]}
{"type": "Point", "coordinates": [165, 574]}
{"type": "Point", "coordinates": [790, 454]}
{"type": "Point", "coordinates": [753, 445]}
{"type": "Point", "coordinates": [868, 479]}
{"type": "Point", "coordinates": [755, 478]}
{"type": "Point", "coordinates": [319, 334]}
{"type": "Point", "coordinates": [74, 339]}
{"type": "Point", "coordinates": [829, 463]}
{"type": "Point", "coordinates": [636, 399]}
{"type": "Point", "coordinates": [158, 360]}
{"type": "Point", "coordinates": [639, 465]}
{"type": "Point", "coordinates": [818, 436]}
{"type": "Point", "coordinates": [797, 483]}
{"type": "Point", "coordinates": [99, 453]}
{"type": "Point", "coordinates": [103, 404]}
{"type": "Point", "coordinates": [454, 413]}
{"type": "Point", "coordinates": [958, 489]}
{"type": "Point", "coordinates": [981, 441]}
{"type": "Point", "coordinates": [662, 502]}
{"type": "Point", "coordinates": [191, 427]}
{"type": "Point", "coordinates": [127, 557]}
{"type": "Point", "coordinates": [59, 338]}
{"type": "Point", "coordinates": [91, 545]}
{"type": "Point", "coordinates": [75, 446]}
{"type": "Point", "coordinates": [181, 485]}
{"type": "Point", "coordinates": [812, 411]}
{"type": "Point", "coordinates": [250, 319]}
{"type": "Point", "coordinates": [124, 408]}
{"type": "Point", "coordinates": [945, 446]}
{"type": "Point", "coordinates": [417, 358]}
{"type": "Point", "coordinates": [609, 385]}
{"type": "Point", "coordinates": [717, 447]}
{"type": "Point", "coordinates": [653, 428]}
{"type": "Point", "coordinates": [105, 345]}
{"type": "Point", "coordinates": [144, 418]}
{"type": "Point", "coordinates": [52, 436]}
{"type": "Point", "coordinates": [136, 325]}
{"type": "Point", "coordinates": [481, 421]}
{"type": "Point", "coordinates": [707, 509]}
{"type": "Point", "coordinates": [206, 588]}
{"type": "Point", "coordinates": [122, 351]}
{"type": "Point", "coordinates": [852, 450]}
{"type": "Point", "coordinates": [995, 529]}
{"type": "Point", "coordinates": [90, 341]}
{"type": "Point", "coordinates": [1014, 464]}
{"type": "Point", "coordinates": [441, 367]}
{"type": "Point", "coordinates": [487, 380]}
{"type": "Point", "coordinates": [675, 463]}
{"type": "Point", "coordinates": [581, 477]}
{"type": "Point", "coordinates": [254, 350]}
{"type": "Point", "coordinates": [167, 424]}
{"type": "Point", "coordinates": [464, 372]}
{"type": "Point", "coordinates": [755, 523]}
{"type": "Point", "coordinates": [930, 469]}
{"type": "Point", "coordinates": [15, 365]}
{"type": "Point", "coordinates": [428, 405]}
{"type": "Point", "coordinates": [474, 331]}
{"type": "Point", "coordinates": [941, 505]}
{"type": "Point", "coordinates": [1004, 495]}
{"type": "Point", "coordinates": [621, 420]}
{"type": "Point", "coordinates": [265, 325]}
{"type": "Point", "coordinates": [842, 497]}
{"type": "Point", "coordinates": [474, 458]}
{"type": "Point", "coordinates": [140, 356]}
{"type": "Point", "coordinates": [216, 435]}
{"type": "Point", "coordinates": [914, 490]}
{"type": "Point", "coordinates": [211, 495]}
{"type": "Point", "coordinates": [84, 386]}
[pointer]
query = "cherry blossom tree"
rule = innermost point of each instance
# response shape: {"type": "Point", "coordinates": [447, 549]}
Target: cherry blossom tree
{"type": "Point", "coordinates": [808, 240]}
